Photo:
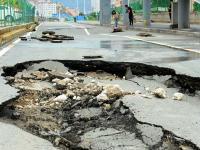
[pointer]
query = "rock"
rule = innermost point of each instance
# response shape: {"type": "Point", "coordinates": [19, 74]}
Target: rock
{"type": "Point", "coordinates": [107, 107]}
{"type": "Point", "coordinates": [123, 110]}
{"type": "Point", "coordinates": [77, 115]}
{"type": "Point", "coordinates": [146, 96]}
{"type": "Point", "coordinates": [160, 93]}
{"type": "Point", "coordinates": [102, 97]}
{"type": "Point", "coordinates": [68, 80]}
{"type": "Point", "coordinates": [70, 94]}
{"type": "Point", "coordinates": [10, 79]}
{"type": "Point", "coordinates": [19, 81]}
{"type": "Point", "coordinates": [61, 98]}
{"type": "Point", "coordinates": [178, 96]}
{"type": "Point", "coordinates": [66, 130]}
{"type": "Point", "coordinates": [69, 75]}
{"type": "Point", "coordinates": [117, 104]}
{"type": "Point", "coordinates": [61, 140]}
{"type": "Point", "coordinates": [92, 89]}
{"type": "Point", "coordinates": [40, 75]}
{"type": "Point", "coordinates": [56, 80]}
{"type": "Point", "coordinates": [113, 91]}
{"type": "Point", "coordinates": [138, 92]}
{"type": "Point", "coordinates": [57, 75]}
{"type": "Point", "coordinates": [15, 115]}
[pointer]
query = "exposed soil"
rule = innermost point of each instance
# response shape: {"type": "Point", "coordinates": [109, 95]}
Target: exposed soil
{"type": "Point", "coordinates": [63, 107]}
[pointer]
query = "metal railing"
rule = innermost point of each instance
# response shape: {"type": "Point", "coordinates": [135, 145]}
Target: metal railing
{"type": "Point", "coordinates": [15, 12]}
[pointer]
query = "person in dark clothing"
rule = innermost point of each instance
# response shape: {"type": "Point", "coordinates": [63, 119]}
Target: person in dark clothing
{"type": "Point", "coordinates": [170, 10]}
{"type": "Point", "coordinates": [130, 14]}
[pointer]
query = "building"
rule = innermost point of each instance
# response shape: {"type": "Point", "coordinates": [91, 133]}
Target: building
{"type": "Point", "coordinates": [45, 8]}
{"type": "Point", "coordinates": [95, 5]}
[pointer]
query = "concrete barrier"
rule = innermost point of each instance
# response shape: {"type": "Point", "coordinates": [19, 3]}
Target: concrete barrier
{"type": "Point", "coordinates": [7, 34]}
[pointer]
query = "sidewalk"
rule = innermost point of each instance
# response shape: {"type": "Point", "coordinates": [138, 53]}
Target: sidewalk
{"type": "Point", "coordinates": [159, 28]}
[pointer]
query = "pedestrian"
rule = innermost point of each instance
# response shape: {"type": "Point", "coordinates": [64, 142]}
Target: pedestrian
{"type": "Point", "coordinates": [170, 10]}
{"type": "Point", "coordinates": [129, 10]}
{"type": "Point", "coordinates": [116, 19]}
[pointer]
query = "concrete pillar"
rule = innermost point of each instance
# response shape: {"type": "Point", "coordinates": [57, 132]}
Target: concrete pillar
{"type": "Point", "coordinates": [147, 12]}
{"type": "Point", "coordinates": [125, 15]}
{"type": "Point", "coordinates": [105, 12]}
{"type": "Point", "coordinates": [174, 20]}
{"type": "Point", "coordinates": [183, 14]}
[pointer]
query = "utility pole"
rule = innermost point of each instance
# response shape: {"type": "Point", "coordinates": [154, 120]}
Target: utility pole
{"type": "Point", "coordinates": [77, 5]}
{"type": "Point", "coordinates": [84, 11]}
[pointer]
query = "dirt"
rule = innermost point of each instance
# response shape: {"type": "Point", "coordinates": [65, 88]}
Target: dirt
{"type": "Point", "coordinates": [71, 107]}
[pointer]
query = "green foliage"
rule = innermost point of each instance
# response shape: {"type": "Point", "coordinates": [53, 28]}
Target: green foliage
{"type": "Point", "coordinates": [92, 16]}
{"type": "Point", "coordinates": [118, 9]}
{"type": "Point", "coordinates": [196, 6]}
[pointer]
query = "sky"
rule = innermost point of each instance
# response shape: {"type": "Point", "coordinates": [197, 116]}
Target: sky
{"type": "Point", "coordinates": [73, 4]}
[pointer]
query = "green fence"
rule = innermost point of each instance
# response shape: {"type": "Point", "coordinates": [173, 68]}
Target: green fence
{"type": "Point", "coordinates": [15, 12]}
{"type": "Point", "coordinates": [156, 5]}
{"type": "Point", "coordinates": [196, 7]}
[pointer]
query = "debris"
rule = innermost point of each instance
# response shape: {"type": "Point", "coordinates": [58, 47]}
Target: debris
{"type": "Point", "coordinates": [56, 41]}
{"type": "Point", "coordinates": [15, 115]}
{"type": "Point", "coordinates": [102, 97]}
{"type": "Point", "coordinates": [123, 110]}
{"type": "Point", "coordinates": [107, 107]}
{"type": "Point", "coordinates": [138, 92]}
{"type": "Point", "coordinates": [178, 96]}
{"type": "Point", "coordinates": [92, 57]}
{"type": "Point", "coordinates": [160, 93]}
{"type": "Point", "coordinates": [113, 91]}
{"type": "Point", "coordinates": [61, 98]}
{"type": "Point", "coordinates": [40, 75]}
{"type": "Point", "coordinates": [48, 32]}
{"type": "Point", "coordinates": [144, 34]}
{"type": "Point", "coordinates": [146, 96]}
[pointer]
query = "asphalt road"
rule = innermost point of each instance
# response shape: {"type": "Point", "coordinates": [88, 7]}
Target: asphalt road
{"type": "Point", "coordinates": [92, 40]}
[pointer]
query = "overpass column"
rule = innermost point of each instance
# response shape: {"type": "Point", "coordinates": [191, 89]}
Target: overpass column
{"type": "Point", "coordinates": [125, 15]}
{"type": "Point", "coordinates": [183, 14]}
{"type": "Point", "coordinates": [147, 12]}
{"type": "Point", "coordinates": [105, 12]}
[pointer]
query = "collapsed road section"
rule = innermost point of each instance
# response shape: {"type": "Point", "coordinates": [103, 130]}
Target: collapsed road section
{"type": "Point", "coordinates": [79, 104]}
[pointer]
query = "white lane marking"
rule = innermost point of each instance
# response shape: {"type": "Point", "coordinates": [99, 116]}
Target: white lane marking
{"type": "Point", "coordinates": [38, 26]}
{"type": "Point", "coordinates": [156, 43]}
{"type": "Point", "coordinates": [87, 32]}
{"type": "Point", "coordinates": [79, 26]}
{"type": "Point", "coordinates": [6, 49]}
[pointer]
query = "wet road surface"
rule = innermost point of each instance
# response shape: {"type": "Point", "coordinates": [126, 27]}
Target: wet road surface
{"type": "Point", "coordinates": [91, 40]}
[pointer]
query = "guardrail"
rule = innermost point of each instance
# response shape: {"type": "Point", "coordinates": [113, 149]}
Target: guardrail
{"type": "Point", "coordinates": [7, 34]}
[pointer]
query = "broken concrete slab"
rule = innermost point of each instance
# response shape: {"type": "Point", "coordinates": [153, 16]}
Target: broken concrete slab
{"type": "Point", "coordinates": [18, 139]}
{"type": "Point", "coordinates": [112, 139]}
{"type": "Point", "coordinates": [181, 118]}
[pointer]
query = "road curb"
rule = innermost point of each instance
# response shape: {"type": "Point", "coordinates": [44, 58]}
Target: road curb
{"type": "Point", "coordinates": [156, 30]}
{"type": "Point", "coordinates": [7, 34]}
{"type": "Point", "coordinates": [167, 31]}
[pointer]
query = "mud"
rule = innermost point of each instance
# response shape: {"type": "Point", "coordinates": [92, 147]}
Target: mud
{"type": "Point", "coordinates": [79, 105]}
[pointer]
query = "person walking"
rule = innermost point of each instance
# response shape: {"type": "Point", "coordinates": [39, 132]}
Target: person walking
{"type": "Point", "coordinates": [130, 14]}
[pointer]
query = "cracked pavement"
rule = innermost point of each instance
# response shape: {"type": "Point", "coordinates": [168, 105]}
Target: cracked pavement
{"type": "Point", "coordinates": [180, 118]}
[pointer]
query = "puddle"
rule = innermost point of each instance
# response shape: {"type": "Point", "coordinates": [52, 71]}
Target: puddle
{"type": "Point", "coordinates": [77, 104]}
